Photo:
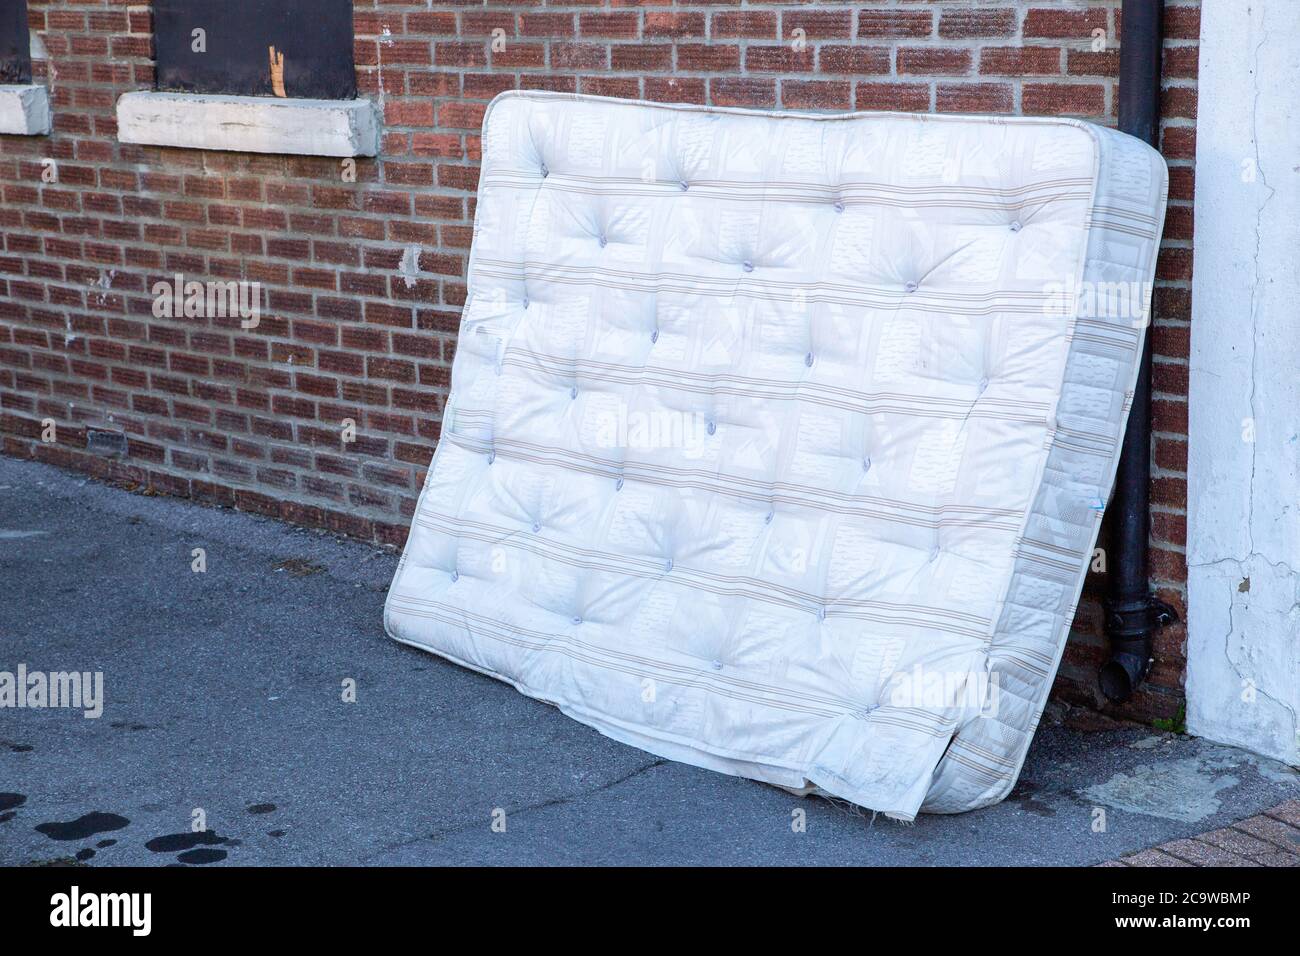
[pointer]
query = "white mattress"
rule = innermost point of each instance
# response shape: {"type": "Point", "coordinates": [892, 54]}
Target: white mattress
{"type": "Point", "coordinates": [778, 444]}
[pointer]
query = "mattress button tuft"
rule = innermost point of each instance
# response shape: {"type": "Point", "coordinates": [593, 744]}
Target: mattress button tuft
{"type": "Point", "coordinates": [603, 242]}
{"type": "Point", "coordinates": [713, 427]}
{"type": "Point", "coordinates": [716, 665]}
{"type": "Point", "coordinates": [866, 465]}
{"type": "Point", "coordinates": [768, 518]}
{"type": "Point", "coordinates": [455, 576]}
{"type": "Point", "coordinates": [573, 392]}
{"type": "Point", "coordinates": [545, 171]}
{"type": "Point", "coordinates": [934, 553]}
{"type": "Point", "coordinates": [526, 303]}
{"type": "Point", "coordinates": [1015, 226]}
{"type": "Point", "coordinates": [654, 336]}
{"type": "Point", "coordinates": [839, 206]}
{"type": "Point", "coordinates": [984, 384]}
{"type": "Point", "coordinates": [685, 185]}
{"type": "Point", "coordinates": [747, 266]}
{"type": "Point", "coordinates": [668, 565]}
{"type": "Point", "coordinates": [618, 485]}
{"type": "Point", "coordinates": [492, 456]}
{"type": "Point", "coordinates": [911, 287]}
{"type": "Point", "coordinates": [576, 619]}
{"type": "Point", "coordinates": [536, 527]}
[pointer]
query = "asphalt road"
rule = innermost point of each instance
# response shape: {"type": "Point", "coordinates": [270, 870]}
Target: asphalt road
{"type": "Point", "coordinates": [223, 701]}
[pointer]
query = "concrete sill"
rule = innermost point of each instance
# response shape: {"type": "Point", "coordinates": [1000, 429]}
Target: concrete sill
{"type": "Point", "coordinates": [24, 110]}
{"type": "Point", "coordinates": [249, 124]}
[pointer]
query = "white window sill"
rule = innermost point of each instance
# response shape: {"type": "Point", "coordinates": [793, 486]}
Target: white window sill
{"type": "Point", "coordinates": [24, 110]}
{"type": "Point", "coordinates": [249, 124]}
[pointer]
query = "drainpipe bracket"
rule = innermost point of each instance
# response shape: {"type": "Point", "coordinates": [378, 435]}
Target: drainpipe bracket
{"type": "Point", "coordinates": [1128, 621]}
{"type": "Point", "coordinates": [1164, 613]}
{"type": "Point", "coordinates": [1130, 625]}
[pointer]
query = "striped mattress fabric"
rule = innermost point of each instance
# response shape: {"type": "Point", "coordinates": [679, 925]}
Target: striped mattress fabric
{"type": "Point", "coordinates": [778, 444]}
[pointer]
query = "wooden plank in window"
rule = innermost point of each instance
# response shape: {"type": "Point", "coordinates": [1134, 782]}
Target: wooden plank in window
{"type": "Point", "coordinates": [312, 39]}
{"type": "Point", "coordinates": [15, 43]}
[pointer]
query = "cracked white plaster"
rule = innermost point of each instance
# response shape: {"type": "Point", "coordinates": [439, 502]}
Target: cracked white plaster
{"type": "Point", "coordinates": [1243, 548]}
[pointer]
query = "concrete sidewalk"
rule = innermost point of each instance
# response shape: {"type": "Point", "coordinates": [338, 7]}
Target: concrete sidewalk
{"type": "Point", "coordinates": [223, 697]}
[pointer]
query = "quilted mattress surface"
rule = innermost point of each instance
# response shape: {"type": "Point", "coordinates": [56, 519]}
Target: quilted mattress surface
{"type": "Point", "coordinates": [778, 444]}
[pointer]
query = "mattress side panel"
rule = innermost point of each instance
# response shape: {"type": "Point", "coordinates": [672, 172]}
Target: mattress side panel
{"type": "Point", "coordinates": [1112, 308]}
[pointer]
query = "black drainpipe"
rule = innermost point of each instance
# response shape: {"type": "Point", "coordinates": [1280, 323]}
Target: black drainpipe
{"type": "Point", "coordinates": [1132, 612]}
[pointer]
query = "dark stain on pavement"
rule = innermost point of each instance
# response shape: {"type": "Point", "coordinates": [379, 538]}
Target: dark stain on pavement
{"type": "Point", "coordinates": [84, 826]}
{"type": "Point", "coordinates": [202, 855]}
{"type": "Point", "coordinates": [173, 842]}
{"type": "Point", "coordinates": [10, 800]}
{"type": "Point", "coordinates": [298, 567]}
{"type": "Point", "coordinates": [1023, 794]}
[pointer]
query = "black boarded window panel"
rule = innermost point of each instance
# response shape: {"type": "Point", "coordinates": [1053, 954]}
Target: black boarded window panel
{"type": "Point", "coordinates": [291, 48]}
{"type": "Point", "coordinates": [15, 43]}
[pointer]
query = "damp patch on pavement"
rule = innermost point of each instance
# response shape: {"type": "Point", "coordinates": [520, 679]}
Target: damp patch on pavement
{"type": "Point", "coordinates": [1185, 790]}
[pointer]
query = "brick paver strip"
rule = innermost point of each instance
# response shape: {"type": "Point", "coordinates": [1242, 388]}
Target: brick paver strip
{"type": "Point", "coordinates": [1288, 812]}
{"type": "Point", "coordinates": [1265, 827]}
{"type": "Point", "coordinates": [1154, 858]}
{"type": "Point", "coordinates": [1235, 841]}
{"type": "Point", "coordinates": [1271, 838]}
{"type": "Point", "coordinates": [1203, 854]}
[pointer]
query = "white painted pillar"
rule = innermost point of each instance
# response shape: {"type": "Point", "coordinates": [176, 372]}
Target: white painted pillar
{"type": "Point", "coordinates": [1243, 672]}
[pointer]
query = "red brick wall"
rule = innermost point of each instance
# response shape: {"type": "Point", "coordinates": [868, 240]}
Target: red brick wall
{"type": "Point", "coordinates": [253, 418]}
